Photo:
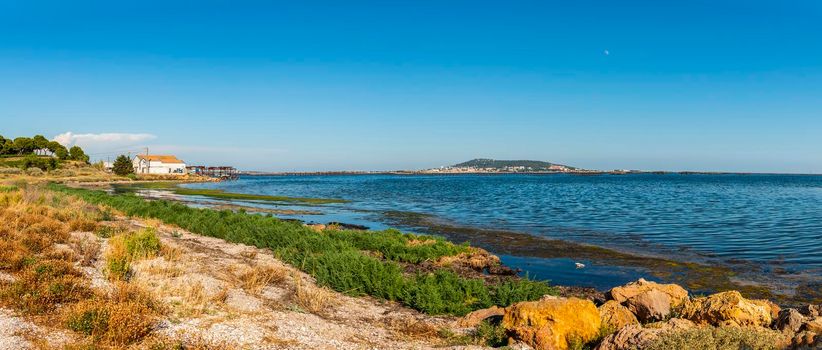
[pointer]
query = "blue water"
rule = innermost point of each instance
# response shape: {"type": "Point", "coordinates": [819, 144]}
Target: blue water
{"type": "Point", "coordinates": [772, 222]}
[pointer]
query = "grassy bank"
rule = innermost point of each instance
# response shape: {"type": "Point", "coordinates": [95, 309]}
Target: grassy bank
{"type": "Point", "coordinates": [352, 262]}
{"type": "Point", "coordinates": [220, 194]}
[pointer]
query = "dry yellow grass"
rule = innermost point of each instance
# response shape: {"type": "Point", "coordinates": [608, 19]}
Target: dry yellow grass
{"type": "Point", "coordinates": [412, 328]}
{"type": "Point", "coordinates": [313, 299]}
{"type": "Point", "coordinates": [38, 251]}
{"type": "Point", "coordinates": [254, 279]}
{"type": "Point", "coordinates": [87, 249]}
{"type": "Point", "coordinates": [170, 252]}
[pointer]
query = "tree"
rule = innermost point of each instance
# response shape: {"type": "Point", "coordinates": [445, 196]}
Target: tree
{"type": "Point", "coordinates": [7, 147]}
{"type": "Point", "coordinates": [123, 166]}
{"type": "Point", "coordinates": [23, 145]}
{"type": "Point", "coordinates": [40, 142]}
{"type": "Point", "coordinates": [59, 150]}
{"type": "Point", "coordinates": [76, 153]}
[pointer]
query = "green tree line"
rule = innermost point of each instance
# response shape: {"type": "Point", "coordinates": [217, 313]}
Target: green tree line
{"type": "Point", "coordinates": [22, 146]}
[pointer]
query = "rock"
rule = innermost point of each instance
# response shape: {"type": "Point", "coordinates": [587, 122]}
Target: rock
{"type": "Point", "coordinates": [630, 337]}
{"type": "Point", "coordinates": [316, 227]}
{"type": "Point", "coordinates": [651, 305]}
{"type": "Point", "coordinates": [771, 306]}
{"type": "Point", "coordinates": [811, 310]}
{"type": "Point", "coordinates": [727, 309]}
{"type": "Point", "coordinates": [806, 340]}
{"type": "Point", "coordinates": [677, 294]}
{"type": "Point", "coordinates": [813, 326]}
{"type": "Point", "coordinates": [635, 337]}
{"type": "Point", "coordinates": [789, 320]}
{"type": "Point", "coordinates": [615, 316]}
{"type": "Point", "coordinates": [473, 319]}
{"type": "Point", "coordinates": [551, 323]}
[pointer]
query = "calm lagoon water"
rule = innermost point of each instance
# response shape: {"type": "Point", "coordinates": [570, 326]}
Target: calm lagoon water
{"type": "Point", "coordinates": [772, 223]}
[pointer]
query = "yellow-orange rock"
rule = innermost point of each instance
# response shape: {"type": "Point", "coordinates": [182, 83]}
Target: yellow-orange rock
{"type": "Point", "coordinates": [677, 294]}
{"type": "Point", "coordinates": [813, 326]}
{"type": "Point", "coordinates": [727, 309]}
{"type": "Point", "coordinates": [614, 316]}
{"type": "Point", "coordinates": [771, 306]}
{"type": "Point", "coordinates": [551, 323]}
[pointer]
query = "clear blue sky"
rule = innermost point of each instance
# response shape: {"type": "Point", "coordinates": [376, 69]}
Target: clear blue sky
{"type": "Point", "coordinates": [304, 85]}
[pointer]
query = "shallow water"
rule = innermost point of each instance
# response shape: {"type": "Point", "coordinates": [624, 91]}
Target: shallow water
{"type": "Point", "coordinates": [770, 224]}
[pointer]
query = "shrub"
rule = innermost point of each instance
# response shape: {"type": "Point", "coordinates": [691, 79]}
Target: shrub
{"type": "Point", "coordinates": [82, 224]}
{"type": "Point", "coordinates": [491, 334]}
{"type": "Point", "coordinates": [42, 163]}
{"type": "Point", "coordinates": [118, 323]}
{"type": "Point", "coordinates": [42, 286]}
{"type": "Point", "coordinates": [105, 231]}
{"type": "Point", "coordinates": [89, 318]}
{"type": "Point", "coordinates": [125, 248]}
{"type": "Point", "coordinates": [34, 172]}
{"type": "Point", "coordinates": [10, 171]}
{"type": "Point", "coordinates": [718, 338]}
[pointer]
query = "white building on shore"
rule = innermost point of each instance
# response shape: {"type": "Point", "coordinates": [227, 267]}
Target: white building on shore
{"type": "Point", "coordinates": [158, 164]}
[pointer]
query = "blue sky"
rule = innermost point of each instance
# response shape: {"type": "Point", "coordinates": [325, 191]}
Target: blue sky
{"type": "Point", "coordinates": [304, 85]}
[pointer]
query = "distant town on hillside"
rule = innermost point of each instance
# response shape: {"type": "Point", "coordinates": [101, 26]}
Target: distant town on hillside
{"type": "Point", "coordinates": [485, 165]}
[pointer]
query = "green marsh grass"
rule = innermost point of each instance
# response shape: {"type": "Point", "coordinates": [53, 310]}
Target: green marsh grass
{"type": "Point", "coordinates": [336, 258]}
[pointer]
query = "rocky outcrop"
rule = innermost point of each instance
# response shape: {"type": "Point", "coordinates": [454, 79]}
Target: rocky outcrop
{"type": "Point", "coordinates": [727, 309]}
{"type": "Point", "coordinates": [769, 305]}
{"type": "Point", "coordinates": [636, 337]}
{"type": "Point", "coordinates": [614, 316]}
{"type": "Point", "coordinates": [551, 323]}
{"type": "Point", "coordinates": [677, 294]}
{"type": "Point", "coordinates": [789, 320]}
{"type": "Point", "coordinates": [811, 310]}
{"type": "Point", "coordinates": [813, 326]}
{"type": "Point", "coordinates": [806, 340]}
{"type": "Point", "coordinates": [651, 305]}
{"type": "Point", "coordinates": [473, 319]}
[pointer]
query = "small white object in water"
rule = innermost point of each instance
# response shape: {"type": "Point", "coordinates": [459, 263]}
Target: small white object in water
{"type": "Point", "coordinates": [579, 265]}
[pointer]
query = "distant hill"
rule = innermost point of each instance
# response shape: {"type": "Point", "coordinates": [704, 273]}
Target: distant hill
{"type": "Point", "coordinates": [500, 164]}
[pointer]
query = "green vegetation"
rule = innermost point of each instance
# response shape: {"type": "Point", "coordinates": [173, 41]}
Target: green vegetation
{"type": "Point", "coordinates": [718, 338]}
{"type": "Point", "coordinates": [37, 152]}
{"type": "Point", "coordinates": [128, 247]}
{"type": "Point", "coordinates": [76, 153]}
{"type": "Point", "coordinates": [220, 194]}
{"type": "Point", "coordinates": [42, 163]}
{"type": "Point", "coordinates": [491, 334]}
{"type": "Point", "coordinates": [345, 261]}
{"type": "Point", "coordinates": [123, 166]}
{"type": "Point", "coordinates": [24, 146]}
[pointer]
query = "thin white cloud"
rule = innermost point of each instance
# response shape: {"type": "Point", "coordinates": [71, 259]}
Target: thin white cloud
{"type": "Point", "coordinates": [69, 139]}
